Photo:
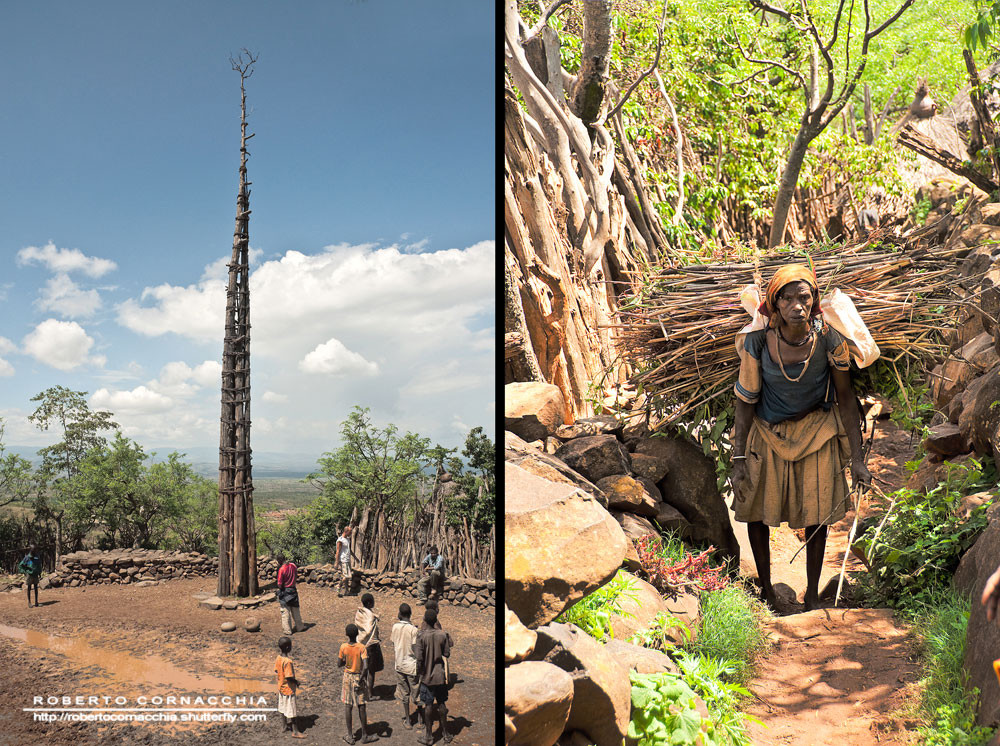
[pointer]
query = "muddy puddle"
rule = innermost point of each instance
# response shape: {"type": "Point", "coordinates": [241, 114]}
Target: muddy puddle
{"type": "Point", "coordinates": [148, 673]}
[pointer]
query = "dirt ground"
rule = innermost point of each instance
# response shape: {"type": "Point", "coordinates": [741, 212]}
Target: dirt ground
{"type": "Point", "coordinates": [122, 641]}
{"type": "Point", "coordinates": [834, 675]}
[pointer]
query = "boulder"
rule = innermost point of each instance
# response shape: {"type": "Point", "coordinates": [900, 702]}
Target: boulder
{"type": "Point", "coordinates": [212, 602]}
{"type": "Point", "coordinates": [228, 626]}
{"type": "Point", "coordinates": [639, 659]}
{"type": "Point", "coordinates": [521, 453]}
{"type": "Point", "coordinates": [639, 606]}
{"type": "Point", "coordinates": [668, 518]}
{"type": "Point", "coordinates": [251, 624]}
{"type": "Point", "coordinates": [627, 494]}
{"type": "Point", "coordinates": [600, 425]}
{"type": "Point", "coordinates": [982, 638]}
{"type": "Point", "coordinates": [559, 545]}
{"type": "Point", "coordinates": [654, 458]}
{"type": "Point", "coordinates": [977, 235]}
{"type": "Point", "coordinates": [518, 640]}
{"type": "Point", "coordinates": [533, 410]}
{"type": "Point", "coordinates": [602, 693]}
{"type": "Point", "coordinates": [631, 561]}
{"type": "Point", "coordinates": [634, 526]}
{"type": "Point", "coordinates": [946, 440]}
{"type": "Point", "coordinates": [648, 466]}
{"type": "Point", "coordinates": [690, 486]}
{"type": "Point", "coordinates": [595, 456]}
{"type": "Point", "coordinates": [537, 697]}
{"type": "Point", "coordinates": [686, 607]}
{"type": "Point", "coordinates": [509, 730]}
{"type": "Point", "coordinates": [980, 418]}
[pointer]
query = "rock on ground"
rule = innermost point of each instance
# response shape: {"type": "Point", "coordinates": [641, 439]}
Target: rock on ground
{"type": "Point", "coordinates": [602, 693]}
{"type": "Point", "coordinates": [596, 456]}
{"type": "Point", "coordinates": [533, 410]}
{"type": "Point", "coordinates": [627, 494]}
{"type": "Point", "coordinates": [559, 545]}
{"type": "Point", "coordinates": [518, 640]}
{"type": "Point", "coordinates": [639, 604]}
{"type": "Point", "coordinates": [537, 698]}
{"type": "Point", "coordinates": [520, 452]}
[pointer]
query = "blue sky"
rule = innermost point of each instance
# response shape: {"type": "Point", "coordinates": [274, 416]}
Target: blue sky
{"type": "Point", "coordinates": [372, 233]}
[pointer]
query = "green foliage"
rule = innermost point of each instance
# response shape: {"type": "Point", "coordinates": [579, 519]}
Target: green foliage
{"type": "Point", "coordinates": [664, 712]}
{"type": "Point", "coordinates": [374, 467]}
{"type": "Point", "coordinates": [475, 499]}
{"type": "Point", "coordinates": [18, 481]}
{"type": "Point", "coordinates": [712, 679]}
{"type": "Point", "coordinates": [924, 538]}
{"type": "Point", "coordinates": [190, 504]}
{"type": "Point", "coordinates": [918, 213]}
{"type": "Point", "coordinates": [946, 706]}
{"type": "Point", "coordinates": [592, 613]}
{"type": "Point", "coordinates": [731, 629]}
{"type": "Point", "coordinates": [661, 633]}
{"type": "Point", "coordinates": [905, 389]}
{"type": "Point", "coordinates": [291, 538]}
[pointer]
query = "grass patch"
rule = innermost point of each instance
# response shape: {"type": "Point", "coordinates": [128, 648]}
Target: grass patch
{"type": "Point", "coordinates": [592, 613]}
{"type": "Point", "coordinates": [731, 630]}
{"type": "Point", "coordinates": [945, 708]}
{"type": "Point", "coordinates": [281, 493]}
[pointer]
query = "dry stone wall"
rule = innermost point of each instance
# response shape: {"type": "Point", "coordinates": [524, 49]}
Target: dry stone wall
{"type": "Point", "coordinates": [133, 566]}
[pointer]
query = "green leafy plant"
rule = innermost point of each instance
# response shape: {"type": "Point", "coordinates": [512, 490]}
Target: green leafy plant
{"type": "Point", "coordinates": [664, 713]}
{"type": "Point", "coordinates": [920, 210]}
{"type": "Point", "coordinates": [710, 679]}
{"type": "Point", "coordinates": [672, 569]}
{"type": "Point", "coordinates": [592, 613]}
{"type": "Point", "coordinates": [923, 538]}
{"type": "Point", "coordinates": [661, 633]}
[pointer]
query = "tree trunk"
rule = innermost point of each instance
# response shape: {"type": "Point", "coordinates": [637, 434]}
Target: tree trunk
{"type": "Point", "coordinates": [789, 180]}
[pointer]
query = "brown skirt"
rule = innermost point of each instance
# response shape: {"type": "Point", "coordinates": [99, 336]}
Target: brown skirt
{"type": "Point", "coordinates": [795, 472]}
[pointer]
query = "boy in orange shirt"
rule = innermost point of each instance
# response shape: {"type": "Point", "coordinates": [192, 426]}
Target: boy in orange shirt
{"type": "Point", "coordinates": [354, 656]}
{"type": "Point", "coordinates": [287, 684]}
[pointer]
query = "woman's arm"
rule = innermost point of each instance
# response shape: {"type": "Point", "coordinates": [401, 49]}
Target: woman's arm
{"type": "Point", "coordinates": [847, 403]}
{"type": "Point", "coordinates": [744, 416]}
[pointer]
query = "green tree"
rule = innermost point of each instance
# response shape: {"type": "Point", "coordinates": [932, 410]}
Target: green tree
{"type": "Point", "coordinates": [374, 467]}
{"type": "Point", "coordinates": [81, 431]}
{"type": "Point", "coordinates": [17, 477]}
{"type": "Point", "coordinates": [476, 496]}
{"type": "Point", "coordinates": [191, 502]}
{"type": "Point", "coordinates": [109, 491]}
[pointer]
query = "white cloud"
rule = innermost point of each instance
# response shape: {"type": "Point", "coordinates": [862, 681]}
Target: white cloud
{"type": "Point", "coordinates": [458, 426]}
{"type": "Point", "coordinates": [65, 260]}
{"type": "Point", "coordinates": [333, 358]}
{"type": "Point", "coordinates": [138, 401]}
{"type": "Point", "coordinates": [62, 344]}
{"type": "Point", "coordinates": [6, 346]}
{"type": "Point", "coordinates": [209, 373]}
{"type": "Point", "coordinates": [437, 379]}
{"type": "Point", "coordinates": [275, 398]}
{"type": "Point", "coordinates": [6, 369]}
{"type": "Point", "coordinates": [65, 297]}
{"type": "Point", "coordinates": [178, 379]}
{"type": "Point", "coordinates": [195, 311]}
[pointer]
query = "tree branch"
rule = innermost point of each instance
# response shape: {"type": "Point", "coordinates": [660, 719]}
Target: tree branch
{"type": "Point", "coordinates": [656, 61]}
{"type": "Point", "coordinates": [544, 20]}
{"type": "Point", "coordinates": [768, 63]}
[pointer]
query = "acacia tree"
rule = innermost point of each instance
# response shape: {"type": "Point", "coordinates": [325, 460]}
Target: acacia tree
{"type": "Point", "coordinates": [817, 77]}
{"type": "Point", "coordinates": [17, 478]}
{"type": "Point", "coordinates": [81, 432]}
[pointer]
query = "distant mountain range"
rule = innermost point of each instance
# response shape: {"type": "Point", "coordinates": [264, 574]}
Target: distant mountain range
{"type": "Point", "coordinates": [205, 460]}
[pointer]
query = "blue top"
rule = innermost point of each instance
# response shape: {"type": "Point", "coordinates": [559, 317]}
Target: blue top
{"type": "Point", "coordinates": [31, 565]}
{"type": "Point", "coordinates": [781, 399]}
{"type": "Point", "coordinates": [437, 564]}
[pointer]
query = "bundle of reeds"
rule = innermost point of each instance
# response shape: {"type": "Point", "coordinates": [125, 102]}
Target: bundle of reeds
{"type": "Point", "coordinates": [679, 329]}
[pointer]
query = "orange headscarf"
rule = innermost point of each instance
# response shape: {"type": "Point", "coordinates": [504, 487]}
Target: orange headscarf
{"type": "Point", "coordinates": [783, 276]}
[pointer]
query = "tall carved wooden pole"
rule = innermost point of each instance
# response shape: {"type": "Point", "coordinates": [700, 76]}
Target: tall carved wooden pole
{"type": "Point", "coordinates": [237, 533]}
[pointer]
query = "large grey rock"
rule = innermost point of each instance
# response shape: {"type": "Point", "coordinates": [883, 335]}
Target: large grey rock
{"type": "Point", "coordinates": [946, 440]}
{"type": "Point", "coordinates": [634, 526]}
{"type": "Point", "coordinates": [520, 452]}
{"type": "Point", "coordinates": [982, 639]}
{"type": "Point", "coordinates": [639, 659]}
{"type": "Point", "coordinates": [625, 493]}
{"type": "Point", "coordinates": [654, 460]}
{"type": "Point", "coordinates": [650, 467]}
{"type": "Point", "coordinates": [600, 425]}
{"type": "Point", "coordinates": [559, 545]}
{"type": "Point", "coordinates": [639, 606]}
{"type": "Point", "coordinates": [533, 409]}
{"type": "Point", "coordinates": [980, 418]}
{"type": "Point", "coordinates": [951, 377]}
{"type": "Point", "coordinates": [602, 693]}
{"type": "Point", "coordinates": [595, 456]}
{"type": "Point", "coordinates": [668, 518]}
{"type": "Point", "coordinates": [690, 486]}
{"type": "Point", "coordinates": [518, 640]}
{"type": "Point", "coordinates": [537, 698]}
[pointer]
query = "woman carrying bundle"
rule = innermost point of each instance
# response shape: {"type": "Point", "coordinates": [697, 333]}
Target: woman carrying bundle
{"type": "Point", "coordinates": [790, 443]}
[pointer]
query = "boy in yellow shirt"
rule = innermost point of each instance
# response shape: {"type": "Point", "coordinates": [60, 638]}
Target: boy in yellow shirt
{"type": "Point", "coordinates": [354, 656]}
{"type": "Point", "coordinates": [287, 684]}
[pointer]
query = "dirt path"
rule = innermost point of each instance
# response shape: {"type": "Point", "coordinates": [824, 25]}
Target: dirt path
{"type": "Point", "coordinates": [834, 674]}
{"type": "Point", "coordinates": [122, 641]}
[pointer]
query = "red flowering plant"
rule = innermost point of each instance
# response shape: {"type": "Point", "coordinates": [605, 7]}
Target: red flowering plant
{"type": "Point", "coordinates": [669, 575]}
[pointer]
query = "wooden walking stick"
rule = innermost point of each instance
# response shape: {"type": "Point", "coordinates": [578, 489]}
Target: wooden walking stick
{"type": "Point", "coordinates": [850, 540]}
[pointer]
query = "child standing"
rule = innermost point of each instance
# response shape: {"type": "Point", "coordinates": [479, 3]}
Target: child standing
{"type": "Point", "coordinates": [404, 634]}
{"type": "Point", "coordinates": [287, 684]}
{"type": "Point", "coordinates": [367, 621]}
{"type": "Point", "coordinates": [31, 567]}
{"type": "Point", "coordinates": [354, 656]}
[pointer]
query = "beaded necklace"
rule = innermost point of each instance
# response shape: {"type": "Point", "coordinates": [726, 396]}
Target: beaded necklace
{"type": "Point", "coordinates": [781, 364]}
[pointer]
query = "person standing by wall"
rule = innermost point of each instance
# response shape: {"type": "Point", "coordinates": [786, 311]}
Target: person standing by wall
{"type": "Point", "coordinates": [288, 597]}
{"type": "Point", "coordinates": [344, 554]}
{"type": "Point", "coordinates": [404, 634]}
{"type": "Point", "coordinates": [430, 650]}
{"type": "Point", "coordinates": [31, 567]}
